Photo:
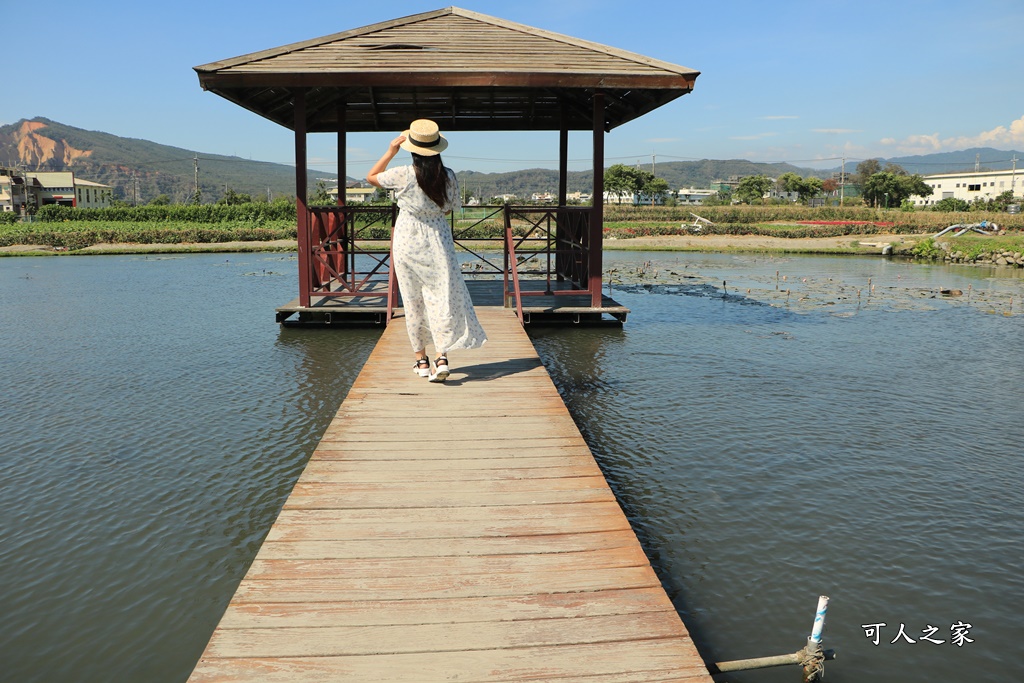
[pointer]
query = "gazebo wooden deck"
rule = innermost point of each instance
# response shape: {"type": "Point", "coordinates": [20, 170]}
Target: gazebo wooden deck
{"type": "Point", "coordinates": [468, 72]}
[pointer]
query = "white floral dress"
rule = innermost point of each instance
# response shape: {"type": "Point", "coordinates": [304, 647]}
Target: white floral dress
{"type": "Point", "coordinates": [434, 295]}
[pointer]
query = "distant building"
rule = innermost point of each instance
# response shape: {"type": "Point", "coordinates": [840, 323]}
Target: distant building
{"type": "Point", "coordinates": [971, 185]}
{"type": "Point", "coordinates": [727, 186]}
{"type": "Point", "coordinates": [57, 187]}
{"type": "Point", "coordinates": [631, 198]}
{"type": "Point", "coordinates": [354, 194]}
{"type": "Point", "coordinates": [620, 198]}
{"type": "Point", "coordinates": [32, 190]}
{"type": "Point", "coordinates": [694, 196]}
{"type": "Point", "coordinates": [90, 195]}
{"type": "Point", "coordinates": [776, 193]}
{"type": "Point", "coordinates": [12, 192]}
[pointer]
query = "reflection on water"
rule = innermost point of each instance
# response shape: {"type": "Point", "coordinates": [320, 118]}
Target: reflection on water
{"type": "Point", "coordinates": [155, 419]}
{"type": "Point", "coordinates": [767, 455]}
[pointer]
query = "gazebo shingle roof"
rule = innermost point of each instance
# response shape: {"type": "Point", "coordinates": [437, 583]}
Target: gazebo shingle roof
{"type": "Point", "coordinates": [465, 70]}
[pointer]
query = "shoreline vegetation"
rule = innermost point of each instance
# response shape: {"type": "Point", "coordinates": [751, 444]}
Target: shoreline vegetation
{"type": "Point", "coordinates": [773, 228]}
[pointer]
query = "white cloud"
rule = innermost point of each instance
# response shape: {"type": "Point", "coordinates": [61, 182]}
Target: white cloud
{"type": "Point", "coordinates": [778, 118]}
{"type": "Point", "coordinates": [660, 140]}
{"type": "Point", "coordinates": [836, 131]}
{"type": "Point", "coordinates": [1000, 136]}
{"type": "Point", "coordinates": [752, 137]}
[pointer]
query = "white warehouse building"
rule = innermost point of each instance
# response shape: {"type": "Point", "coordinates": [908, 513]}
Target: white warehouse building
{"type": "Point", "coordinates": [971, 185]}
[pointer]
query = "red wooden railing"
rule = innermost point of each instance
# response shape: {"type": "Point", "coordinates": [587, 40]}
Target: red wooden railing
{"type": "Point", "coordinates": [349, 252]}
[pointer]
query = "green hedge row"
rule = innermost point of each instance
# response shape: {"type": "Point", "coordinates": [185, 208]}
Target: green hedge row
{"type": "Point", "coordinates": [255, 212]}
{"type": "Point", "coordinates": [84, 234]}
{"type": "Point", "coordinates": [750, 215]}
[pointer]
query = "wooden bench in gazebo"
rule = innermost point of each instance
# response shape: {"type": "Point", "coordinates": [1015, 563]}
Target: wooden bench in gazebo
{"type": "Point", "coordinates": [468, 72]}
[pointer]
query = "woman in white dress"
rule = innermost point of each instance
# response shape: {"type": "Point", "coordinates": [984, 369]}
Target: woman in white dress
{"type": "Point", "coordinates": [434, 295]}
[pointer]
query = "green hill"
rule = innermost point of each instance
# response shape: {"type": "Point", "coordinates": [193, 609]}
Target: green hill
{"type": "Point", "coordinates": [139, 169]}
{"type": "Point", "coordinates": [678, 174]}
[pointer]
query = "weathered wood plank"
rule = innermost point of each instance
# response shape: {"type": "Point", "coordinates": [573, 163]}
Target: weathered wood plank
{"type": "Point", "coordinates": [482, 585]}
{"type": "Point", "coordinates": [367, 443]}
{"type": "Point", "coordinates": [339, 641]}
{"type": "Point", "coordinates": [640, 660]}
{"type": "Point", "coordinates": [320, 495]}
{"type": "Point", "coordinates": [366, 450]}
{"type": "Point", "coordinates": [430, 547]}
{"type": "Point", "coordinates": [354, 569]}
{"type": "Point", "coordinates": [427, 468]}
{"type": "Point", "coordinates": [444, 611]}
{"type": "Point", "coordinates": [341, 493]}
{"type": "Point", "coordinates": [425, 528]}
{"type": "Point", "coordinates": [399, 474]}
{"type": "Point", "coordinates": [476, 514]}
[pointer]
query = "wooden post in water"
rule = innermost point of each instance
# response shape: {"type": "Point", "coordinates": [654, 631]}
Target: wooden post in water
{"type": "Point", "coordinates": [811, 658]}
{"type": "Point", "coordinates": [814, 660]}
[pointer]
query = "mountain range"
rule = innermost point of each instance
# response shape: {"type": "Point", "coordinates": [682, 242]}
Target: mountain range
{"type": "Point", "coordinates": [140, 170]}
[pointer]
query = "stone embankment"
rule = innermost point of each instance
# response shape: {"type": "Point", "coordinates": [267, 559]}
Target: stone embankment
{"type": "Point", "coordinates": [998, 258]}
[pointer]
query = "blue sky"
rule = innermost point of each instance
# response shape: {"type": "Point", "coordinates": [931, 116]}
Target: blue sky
{"type": "Point", "coordinates": [797, 81]}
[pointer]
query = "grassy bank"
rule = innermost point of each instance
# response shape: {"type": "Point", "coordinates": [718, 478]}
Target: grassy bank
{"type": "Point", "coordinates": [74, 235]}
{"type": "Point", "coordinates": [269, 227]}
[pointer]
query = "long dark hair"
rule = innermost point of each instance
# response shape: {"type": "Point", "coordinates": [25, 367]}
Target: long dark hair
{"type": "Point", "coordinates": [432, 177]}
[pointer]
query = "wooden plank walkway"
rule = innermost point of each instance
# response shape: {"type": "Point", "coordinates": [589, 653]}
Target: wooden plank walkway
{"type": "Point", "coordinates": [455, 532]}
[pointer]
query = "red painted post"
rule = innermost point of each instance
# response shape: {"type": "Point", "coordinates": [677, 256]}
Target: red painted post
{"type": "Point", "coordinates": [597, 209]}
{"type": "Point", "coordinates": [301, 209]}
{"type": "Point", "coordinates": [562, 240]}
{"type": "Point", "coordinates": [341, 265]}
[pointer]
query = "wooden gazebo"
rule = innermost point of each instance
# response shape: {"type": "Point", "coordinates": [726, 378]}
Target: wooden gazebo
{"type": "Point", "coordinates": [468, 72]}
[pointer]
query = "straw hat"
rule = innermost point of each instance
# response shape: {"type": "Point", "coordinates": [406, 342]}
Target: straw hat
{"type": "Point", "coordinates": [423, 138]}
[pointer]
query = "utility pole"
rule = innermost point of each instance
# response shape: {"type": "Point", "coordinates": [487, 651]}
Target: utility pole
{"type": "Point", "coordinates": [195, 160]}
{"type": "Point", "coordinates": [1013, 177]}
{"type": "Point", "coordinates": [842, 182]}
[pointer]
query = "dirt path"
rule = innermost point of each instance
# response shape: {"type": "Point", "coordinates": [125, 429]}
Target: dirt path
{"type": "Point", "coordinates": [847, 244]}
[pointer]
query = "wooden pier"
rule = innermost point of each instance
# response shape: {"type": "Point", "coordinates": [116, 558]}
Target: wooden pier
{"type": "Point", "coordinates": [537, 308]}
{"type": "Point", "coordinates": [452, 532]}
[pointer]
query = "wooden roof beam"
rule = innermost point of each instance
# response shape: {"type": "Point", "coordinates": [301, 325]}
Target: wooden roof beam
{"type": "Point", "coordinates": [457, 79]}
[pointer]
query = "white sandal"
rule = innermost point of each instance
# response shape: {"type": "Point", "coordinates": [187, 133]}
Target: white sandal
{"type": "Point", "coordinates": [422, 367]}
{"type": "Point", "coordinates": [441, 364]}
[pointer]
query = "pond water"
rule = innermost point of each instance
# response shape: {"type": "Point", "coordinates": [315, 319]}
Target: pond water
{"type": "Point", "coordinates": [768, 446]}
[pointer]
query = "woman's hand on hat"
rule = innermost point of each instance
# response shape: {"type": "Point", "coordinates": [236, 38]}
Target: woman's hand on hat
{"type": "Point", "coordinates": [397, 143]}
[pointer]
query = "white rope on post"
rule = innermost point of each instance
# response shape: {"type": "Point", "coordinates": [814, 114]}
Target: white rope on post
{"type": "Point", "coordinates": [814, 659]}
{"type": "Point", "coordinates": [811, 658]}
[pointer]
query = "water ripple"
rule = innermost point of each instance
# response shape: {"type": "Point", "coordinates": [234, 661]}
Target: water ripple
{"type": "Point", "coordinates": [767, 456]}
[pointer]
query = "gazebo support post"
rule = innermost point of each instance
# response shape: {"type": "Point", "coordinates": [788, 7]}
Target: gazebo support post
{"type": "Point", "coordinates": [301, 209]}
{"type": "Point", "coordinates": [562, 241]}
{"type": "Point", "coordinates": [342, 152]}
{"type": "Point", "coordinates": [346, 260]}
{"type": "Point", "coordinates": [563, 161]}
{"type": "Point", "coordinates": [597, 208]}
